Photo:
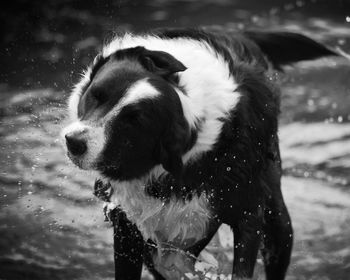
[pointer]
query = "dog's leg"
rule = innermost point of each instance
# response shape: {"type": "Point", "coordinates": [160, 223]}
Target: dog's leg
{"type": "Point", "coordinates": [189, 255]}
{"type": "Point", "coordinates": [247, 239]}
{"type": "Point", "coordinates": [278, 240]}
{"type": "Point", "coordinates": [150, 250]}
{"type": "Point", "coordinates": [128, 247]}
{"type": "Point", "coordinates": [197, 248]}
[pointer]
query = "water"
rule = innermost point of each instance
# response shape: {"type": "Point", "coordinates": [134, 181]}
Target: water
{"type": "Point", "coordinates": [52, 227]}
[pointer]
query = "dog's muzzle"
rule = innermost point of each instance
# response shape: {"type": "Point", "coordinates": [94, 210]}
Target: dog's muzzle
{"type": "Point", "coordinates": [76, 144]}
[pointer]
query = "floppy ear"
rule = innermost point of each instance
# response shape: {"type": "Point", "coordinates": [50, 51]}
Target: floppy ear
{"type": "Point", "coordinates": [172, 147]}
{"type": "Point", "coordinates": [160, 63]}
{"type": "Point", "coordinates": [171, 160]}
{"type": "Point", "coordinates": [283, 48]}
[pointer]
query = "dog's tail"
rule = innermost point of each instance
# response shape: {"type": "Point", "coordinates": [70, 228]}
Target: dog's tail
{"type": "Point", "coordinates": [282, 48]}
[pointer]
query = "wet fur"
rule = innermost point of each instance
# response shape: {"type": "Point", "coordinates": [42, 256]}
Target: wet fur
{"type": "Point", "coordinates": [220, 162]}
{"type": "Point", "coordinates": [174, 221]}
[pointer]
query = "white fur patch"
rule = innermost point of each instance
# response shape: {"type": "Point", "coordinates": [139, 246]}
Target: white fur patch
{"type": "Point", "coordinates": [141, 89]}
{"type": "Point", "coordinates": [208, 83]}
{"type": "Point", "coordinates": [95, 141]}
{"type": "Point", "coordinates": [174, 222]}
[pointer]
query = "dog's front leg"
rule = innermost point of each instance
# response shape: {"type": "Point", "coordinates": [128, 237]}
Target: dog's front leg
{"type": "Point", "coordinates": [247, 239]}
{"type": "Point", "coordinates": [128, 247]}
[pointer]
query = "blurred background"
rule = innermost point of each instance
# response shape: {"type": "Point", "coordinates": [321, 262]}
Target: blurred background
{"type": "Point", "coordinates": [51, 226]}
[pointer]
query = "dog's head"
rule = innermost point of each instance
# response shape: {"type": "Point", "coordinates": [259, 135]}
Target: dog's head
{"type": "Point", "coordinates": [128, 115]}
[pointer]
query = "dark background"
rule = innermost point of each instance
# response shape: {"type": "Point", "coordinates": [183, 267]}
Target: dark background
{"type": "Point", "coordinates": [51, 226]}
{"type": "Point", "coordinates": [45, 41]}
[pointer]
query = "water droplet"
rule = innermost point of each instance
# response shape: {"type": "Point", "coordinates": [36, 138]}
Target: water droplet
{"type": "Point", "coordinates": [228, 169]}
{"type": "Point", "coordinates": [241, 259]}
{"type": "Point", "coordinates": [341, 41]}
{"type": "Point", "coordinates": [300, 3]}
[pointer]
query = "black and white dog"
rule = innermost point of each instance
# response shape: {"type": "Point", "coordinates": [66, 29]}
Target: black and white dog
{"type": "Point", "coordinates": [182, 123]}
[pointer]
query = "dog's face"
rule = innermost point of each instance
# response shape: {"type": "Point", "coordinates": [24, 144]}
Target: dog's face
{"type": "Point", "coordinates": [128, 116]}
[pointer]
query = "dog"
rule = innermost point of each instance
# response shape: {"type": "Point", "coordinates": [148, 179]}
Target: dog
{"type": "Point", "coordinates": [181, 125]}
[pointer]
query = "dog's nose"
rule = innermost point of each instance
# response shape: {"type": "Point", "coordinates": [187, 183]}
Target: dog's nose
{"type": "Point", "coordinates": [75, 143]}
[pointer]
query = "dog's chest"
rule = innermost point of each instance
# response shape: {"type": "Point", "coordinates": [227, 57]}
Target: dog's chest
{"type": "Point", "coordinates": [176, 222]}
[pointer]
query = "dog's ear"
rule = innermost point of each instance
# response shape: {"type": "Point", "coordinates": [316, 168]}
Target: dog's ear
{"type": "Point", "coordinates": [283, 48]}
{"type": "Point", "coordinates": [172, 146]}
{"type": "Point", "coordinates": [160, 63]}
{"type": "Point", "coordinates": [171, 160]}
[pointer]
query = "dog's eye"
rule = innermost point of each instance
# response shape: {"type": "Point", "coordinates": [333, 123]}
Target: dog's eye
{"type": "Point", "coordinates": [131, 115]}
{"type": "Point", "coordinates": [99, 96]}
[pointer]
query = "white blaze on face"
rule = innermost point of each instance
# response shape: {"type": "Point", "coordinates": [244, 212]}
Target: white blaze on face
{"type": "Point", "coordinates": [140, 90]}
